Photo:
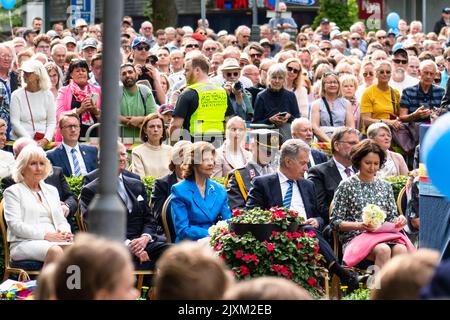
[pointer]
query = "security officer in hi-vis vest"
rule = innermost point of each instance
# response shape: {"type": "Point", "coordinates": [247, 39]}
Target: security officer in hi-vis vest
{"type": "Point", "coordinates": [202, 108]}
{"type": "Point", "coordinates": [265, 145]}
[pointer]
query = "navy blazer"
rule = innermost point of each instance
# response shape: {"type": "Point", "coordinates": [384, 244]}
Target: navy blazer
{"type": "Point", "coordinates": [326, 179]}
{"type": "Point", "coordinates": [58, 157]}
{"type": "Point", "coordinates": [160, 193]}
{"type": "Point", "coordinates": [266, 193]}
{"type": "Point", "coordinates": [139, 220]}
{"type": "Point", "coordinates": [318, 157]}
{"type": "Point", "coordinates": [192, 214]}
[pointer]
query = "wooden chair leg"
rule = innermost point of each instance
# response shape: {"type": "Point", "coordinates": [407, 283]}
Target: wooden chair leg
{"type": "Point", "coordinates": [140, 281]}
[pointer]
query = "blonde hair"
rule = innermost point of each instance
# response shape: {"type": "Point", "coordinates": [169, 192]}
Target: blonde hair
{"type": "Point", "coordinates": [298, 82]}
{"type": "Point", "coordinates": [24, 157]}
{"type": "Point", "coordinates": [235, 119]}
{"type": "Point", "coordinates": [194, 156]}
{"type": "Point", "coordinates": [177, 153]}
{"type": "Point", "coordinates": [191, 271]}
{"type": "Point", "coordinates": [348, 78]}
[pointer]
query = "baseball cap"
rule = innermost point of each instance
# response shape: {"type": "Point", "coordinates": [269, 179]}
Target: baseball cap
{"type": "Point", "coordinates": [398, 49]}
{"type": "Point", "coordinates": [29, 31]}
{"type": "Point", "coordinates": [31, 66]}
{"type": "Point", "coordinates": [266, 138]}
{"type": "Point", "coordinates": [126, 35]}
{"type": "Point", "coordinates": [165, 108]}
{"type": "Point", "coordinates": [324, 21]}
{"type": "Point", "coordinates": [69, 39]}
{"type": "Point", "coordinates": [264, 41]}
{"type": "Point", "coordinates": [335, 33]}
{"type": "Point", "coordinates": [139, 40]}
{"type": "Point", "coordinates": [89, 43]}
{"type": "Point", "coordinates": [230, 64]}
{"type": "Point", "coordinates": [53, 34]}
{"type": "Point", "coordinates": [446, 10]}
{"type": "Point", "coordinates": [222, 33]}
{"type": "Point", "coordinates": [199, 37]}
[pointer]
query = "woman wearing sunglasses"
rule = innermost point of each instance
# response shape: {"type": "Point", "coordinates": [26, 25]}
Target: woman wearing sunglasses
{"type": "Point", "coordinates": [379, 102]}
{"type": "Point", "coordinates": [295, 83]}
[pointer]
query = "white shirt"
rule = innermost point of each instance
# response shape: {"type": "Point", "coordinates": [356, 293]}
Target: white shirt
{"type": "Point", "coordinates": [297, 201]}
{"type": "Point", "coordinates": [219, 79]}
{"type": "Point", "coordinates": [341, 169]}
{"type": "Point", "coordinates": [407, 82]}
{"type": "Point", "coordinates": [79, 158]}
{"type": "Point", "coordinates": [43, 108]}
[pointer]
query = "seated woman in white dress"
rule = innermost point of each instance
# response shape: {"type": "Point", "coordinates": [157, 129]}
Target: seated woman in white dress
{"type": "Point", "coordinates": [6, 158]}
{"type": "Point", "coordinates": [36, 224]}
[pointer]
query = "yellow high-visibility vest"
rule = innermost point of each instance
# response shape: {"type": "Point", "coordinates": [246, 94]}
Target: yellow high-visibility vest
{"type": "Point", "coordinates": [212, 106]}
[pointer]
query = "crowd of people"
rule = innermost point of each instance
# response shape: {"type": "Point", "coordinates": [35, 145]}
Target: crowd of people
{"type": "Point", "coordinates": [204, 104]}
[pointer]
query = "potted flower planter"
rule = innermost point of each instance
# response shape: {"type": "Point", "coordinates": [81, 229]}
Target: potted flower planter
{"type": "Point", "coordinates": [261, 231]}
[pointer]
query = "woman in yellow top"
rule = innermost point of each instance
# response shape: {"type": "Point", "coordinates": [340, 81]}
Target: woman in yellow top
{"type": "Point", "coordinates": [376, 101]}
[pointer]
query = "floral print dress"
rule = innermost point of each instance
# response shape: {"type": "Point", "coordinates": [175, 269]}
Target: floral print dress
{"type": "Point", "coordinates": [352, 196]}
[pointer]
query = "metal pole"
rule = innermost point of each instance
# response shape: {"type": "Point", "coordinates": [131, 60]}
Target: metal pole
{"type": "Point", "coordinates": [107, 212]}
{"type": "Point", "coordinates": [255, 35]}
{"type": "Point", "coordinates": [203, 12]}
{"type": "Point", "coordinates": [424, 15]}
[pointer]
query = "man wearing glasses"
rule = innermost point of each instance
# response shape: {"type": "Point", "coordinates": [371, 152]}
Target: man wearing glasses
{"type": "Point", "coordinates": [327, 176]}
{"type": "Point", "coordinates": [242, 36]}
{"type": "Point", "coordinates": [74, 158]}
{"type": "Point", "coordinates": [146, 31]}
{"type": "Point", "coordinates": [325, 46]}
{"type": "Point", "coordinates": [255, 52]}
{"type": "Point", "coordinates": [400, 79]}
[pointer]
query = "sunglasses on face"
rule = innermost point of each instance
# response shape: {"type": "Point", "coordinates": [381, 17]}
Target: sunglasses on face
{"type": "Point", "coordinates": [255, 55]}
{"type": "Point", "coordinates": [441, 65]}
{"type": "Point", "coordinates": [365, 74]}
{"type": "Point", "coordinates": [356, 39]}
{"type": "Point", "coordinates": [437, 80]}
{"type": "Point", "coordinates": [382, 37]}
{"type": "Point", "coordinates": [293, 70]}
{"type": "Point", "coordinates": [398, 61]}
{"type": "Point", "coordinates": [325, 49]}
{"type": "Point", "coordinates": [140, 48]}
{"type": "Point", "coordinates": [384, 71]}
{"type": "Point", "coordinates": [232, 74]}
{"type": "Point", "coordinates": [192, 46]}
{"type": "Point", "coordinates": [302, 39]}
{"type": "Point", "coordinates": [233, 42]}
{"type": "Point", "coordinates": [210, 49]}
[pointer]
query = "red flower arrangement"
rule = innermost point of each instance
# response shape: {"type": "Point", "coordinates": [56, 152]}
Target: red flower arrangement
{"type": "Point", "coordinates": [287, 252]}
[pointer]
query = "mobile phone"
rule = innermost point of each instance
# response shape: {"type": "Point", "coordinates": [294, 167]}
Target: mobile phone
{"type": "Point", "coordinates": [282, 114]}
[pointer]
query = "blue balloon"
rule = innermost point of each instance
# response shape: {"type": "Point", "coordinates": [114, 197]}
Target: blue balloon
{"type": "Point", "coordinates": [392, 20]}
{"type": "Point", "coordinates": [436, 154]}
{"type": "Point", "coordinates": [8, 4]}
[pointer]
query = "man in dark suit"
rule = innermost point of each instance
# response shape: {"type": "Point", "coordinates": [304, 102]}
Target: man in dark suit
{"type": "Point", "coordinates": [264, 146]}
{"type": "Point", "coordinates": [56, 179]}
{"type": "Point", "coordinates": [74, 158]}
{"type": "Point", "coordinates": [91, 176]}
{"type": "Point", "coordinates": [287, 188]}
{"type": "Point", "coordinates": [142, 239]}
{"type": "Point", "coordinates": [327, 176]}
{"type": "Point", "coordinates": [301, 128]}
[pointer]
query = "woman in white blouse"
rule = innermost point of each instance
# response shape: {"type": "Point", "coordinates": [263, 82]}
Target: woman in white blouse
{"type": "Point", "coordinates": [36, 224]}
{"type": "Point", "coordinates": [33, 108]}
{"type": "Point", "coordinates": [152, 158]}
{"type": "Point", "coordinates": [232, 154]}
{"type": "Point", "coordinates": [294, 82]}
{"type": "Point", "coordinates": [6, 158]}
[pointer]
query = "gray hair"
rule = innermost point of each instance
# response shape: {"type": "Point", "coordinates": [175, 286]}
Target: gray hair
{"type": "Point", "coordinates": [428, 63]}
{"type": "Point", "coordinates": [277, 69]}
{"type": "Point", "coordinates": [58, 46]}
{"type": "Point", "coordinates": [291, 148]}
{"type": "Point", "coordinates": [29, 152]}
{"type": "Point", "coordinates": [299, 121]}
{"type": "Point", "coordinates": [373, 129]}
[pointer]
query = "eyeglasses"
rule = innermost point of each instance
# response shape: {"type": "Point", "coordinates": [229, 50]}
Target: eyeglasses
{"type": "Point", "coordinates": [71, 126]}
{"type": "Point", "coordinates": [192, 45]}
{"type": "Point", "coordinates": [331, 83]}
{"type": "Point", "coordinates": [234, 74]}
{"type": "Point", "coordinates": [384, 71]}
{"type": "Point", "coordinates": [245, 36]}
{"type": "Point", "coordinates": [398, 61]}
{"type": "Point", "coordinates": [437, 81]}
{"type": "Point", "coordinates": [356, 39]}
{"type": "Point", "coordinates": [233, 42]}
{"type": "Point", "coordinates": [293, 70]}
{"type": "Point", "coordinates": [381, 37]}
{"type": "Point", "coordinates": [441, 65]}
{"type": "Point", "coordinates": [255, 55]}
{"type": "Point", "coordinates": [352, 143]}
{"type": "Point", "coordinates": [365, 74]}
{"type": "Point", "coordinates": [325, 49]}
{"type": "Point", "coordinates": [44, 47]}
{"type": "Point", "coordinates": [140, 48]}
{"type": "Point", "coordinates": [302, 39]}
{"type": "Point", "coordinates": [210, 49]}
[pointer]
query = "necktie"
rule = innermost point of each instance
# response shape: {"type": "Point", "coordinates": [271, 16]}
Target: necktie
{"type": "Point", "coordinates": [76, 164]}
{"type": "Point", "coordinates": [348, 172]}
{"type": "Point", "coordinates": [288, 196]}
{"type": "Point", "coordinates": [123, 194]}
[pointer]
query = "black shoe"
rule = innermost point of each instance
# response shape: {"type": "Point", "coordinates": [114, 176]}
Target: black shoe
{"type": "Point", "coordinates": [363, 278]}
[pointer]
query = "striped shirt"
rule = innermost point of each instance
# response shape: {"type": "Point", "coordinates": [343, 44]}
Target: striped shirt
{"type": "Point", "coordinates": [414, 97]}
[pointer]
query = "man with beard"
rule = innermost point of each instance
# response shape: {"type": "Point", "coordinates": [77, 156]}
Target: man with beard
{"type": "Point", "coordinates": [203, 107]}
{"type": "Point", "coordinates": [137, 101]}
{"type": "Point", "coordinates": [400, 79]}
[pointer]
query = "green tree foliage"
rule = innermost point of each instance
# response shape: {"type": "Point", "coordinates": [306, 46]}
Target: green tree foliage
{"type": "Point", "coordinates": [342, 12]}
{"type": "Point", "coordinates": [4, 18]}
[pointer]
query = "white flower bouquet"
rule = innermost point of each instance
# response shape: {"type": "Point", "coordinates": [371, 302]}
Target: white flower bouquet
{"type": "Point", "coordinates": [373, 216]}
{"type": "Point", "coordinates": [216, 228]}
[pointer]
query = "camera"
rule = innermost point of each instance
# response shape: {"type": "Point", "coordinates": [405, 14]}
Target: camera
{"type": "Point", "coordinates": [237, 86]}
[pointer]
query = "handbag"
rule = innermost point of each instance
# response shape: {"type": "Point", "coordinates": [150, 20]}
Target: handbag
{"type": "Point", "coordinates": [407, 136]}
{"type": "Point", "coordinates": [38, 135]}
